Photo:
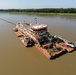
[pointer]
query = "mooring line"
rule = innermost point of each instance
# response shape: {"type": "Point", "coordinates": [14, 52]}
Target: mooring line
{"type": "Point", "coordinates": [7, 21]}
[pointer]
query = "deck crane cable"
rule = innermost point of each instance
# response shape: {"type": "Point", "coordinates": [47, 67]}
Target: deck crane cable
{"type": "Point", "coordinates": [7, 21]}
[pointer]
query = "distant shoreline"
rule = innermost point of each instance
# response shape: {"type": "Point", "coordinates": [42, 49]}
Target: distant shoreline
{"type": "Point", "coordinates": [43, 11]}
{"type": "Point", "coordinates": [45, 14]}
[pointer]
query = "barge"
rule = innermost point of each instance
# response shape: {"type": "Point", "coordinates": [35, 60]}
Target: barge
{"type": "Point", "coordinates": [38, 35]}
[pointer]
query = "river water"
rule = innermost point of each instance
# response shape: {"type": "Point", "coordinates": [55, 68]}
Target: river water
{"type": "Point", "coordinates": [15, 59]}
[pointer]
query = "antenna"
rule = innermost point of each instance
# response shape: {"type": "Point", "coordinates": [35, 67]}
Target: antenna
{"type": "Point", "coordinates": [36, 20]}
{"type": "Point", "coordinates": [24, 22]}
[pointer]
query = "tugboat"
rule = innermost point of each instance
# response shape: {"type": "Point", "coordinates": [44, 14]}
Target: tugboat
{"type": "Point", "coordinates": [37, 35]}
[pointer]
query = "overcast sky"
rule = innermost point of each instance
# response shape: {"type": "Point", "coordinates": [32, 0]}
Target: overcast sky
{"type": "Point", "coordinates": [25, 4]}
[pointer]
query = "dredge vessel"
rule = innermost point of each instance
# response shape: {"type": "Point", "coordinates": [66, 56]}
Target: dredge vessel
{"type": "Point", "coordinates": [37, 35]}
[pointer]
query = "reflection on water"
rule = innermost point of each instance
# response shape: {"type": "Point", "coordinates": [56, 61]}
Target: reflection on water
{"type": "Point", "coordinates": [15, 59]}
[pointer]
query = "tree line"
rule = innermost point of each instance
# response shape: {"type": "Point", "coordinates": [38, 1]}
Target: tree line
{"type": "Point", "coordinates": [44, 10]}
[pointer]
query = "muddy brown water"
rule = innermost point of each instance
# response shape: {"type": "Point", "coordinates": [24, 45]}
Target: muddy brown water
{"type": "Point", "coordinates": [15, 59]}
